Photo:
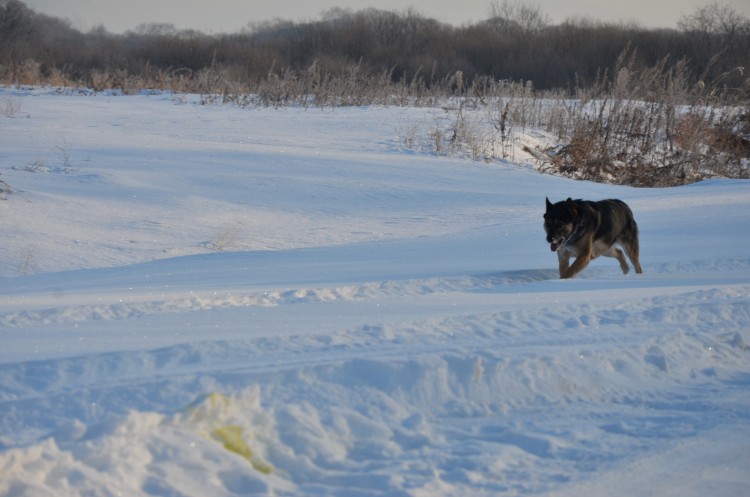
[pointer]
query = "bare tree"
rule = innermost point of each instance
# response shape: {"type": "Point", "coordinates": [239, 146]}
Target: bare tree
{"type": "Point", "coordinates": [715, 19]}
{"type": "Point", "coordinates": [528, 18]}
{"type": "Point", "coordinates": [718, 29]}
{"type": "Point", "coordinates": [16, 21]}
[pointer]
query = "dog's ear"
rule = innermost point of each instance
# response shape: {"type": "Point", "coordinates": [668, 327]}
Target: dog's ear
{"type": "Point", "coordinates": [571, 206]}
{"type": "Point", "coordinates": [549, 204]}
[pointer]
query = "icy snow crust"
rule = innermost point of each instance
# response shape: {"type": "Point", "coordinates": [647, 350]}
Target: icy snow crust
{"type": "Point", "coordinates": [207, 300]}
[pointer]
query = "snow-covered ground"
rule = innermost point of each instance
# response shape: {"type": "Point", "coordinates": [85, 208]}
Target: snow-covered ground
{"type": "Point", "coordinates": [215, 301]}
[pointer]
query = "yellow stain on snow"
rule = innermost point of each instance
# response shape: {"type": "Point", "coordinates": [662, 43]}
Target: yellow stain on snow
{"type": "Point", "coordinates": [232, 437]}
{"type": "Point", "coordinates": [212, 408]}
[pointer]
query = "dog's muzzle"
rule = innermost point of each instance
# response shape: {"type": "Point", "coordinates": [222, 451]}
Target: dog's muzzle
{"type": "Point", "coordinates": [554, 243]}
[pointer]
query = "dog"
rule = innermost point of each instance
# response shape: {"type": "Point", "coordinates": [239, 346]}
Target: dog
{"type": "Point", "coordinates": [585, 229]}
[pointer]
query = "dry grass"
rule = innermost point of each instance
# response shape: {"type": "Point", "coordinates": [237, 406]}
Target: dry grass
{"type": "Point", "coordinates": [647, 126]}
{"type": "Point", "coordinates": [10, 106]}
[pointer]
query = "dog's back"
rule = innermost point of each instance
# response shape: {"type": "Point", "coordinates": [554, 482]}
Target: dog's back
{"type": "Point", "coordinates": [617, 223]}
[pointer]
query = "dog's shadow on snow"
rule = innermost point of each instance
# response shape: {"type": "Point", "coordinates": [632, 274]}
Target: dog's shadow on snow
{"type": "Point", "coordinates": [489, 281]}
{"type": "Point", "coordinates": [505, 281]}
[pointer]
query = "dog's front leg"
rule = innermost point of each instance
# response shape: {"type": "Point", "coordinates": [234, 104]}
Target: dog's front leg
{"type": "Point", "coordinates": [563, 257]}
{"type": "Point", "coordinates": [578, 265]}
{"type": "Point", "coordinates": [583, 257]}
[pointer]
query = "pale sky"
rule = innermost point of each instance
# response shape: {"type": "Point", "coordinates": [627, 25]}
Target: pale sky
{"type": "Point", "coordinates": [228, 16]}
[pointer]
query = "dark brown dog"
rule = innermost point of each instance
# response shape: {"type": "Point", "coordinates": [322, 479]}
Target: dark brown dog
{"type": "Point", "coordinates": [585, 230]}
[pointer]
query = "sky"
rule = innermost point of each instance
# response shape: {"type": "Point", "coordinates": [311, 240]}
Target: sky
{"type": "Point", "coordinates": [227, 16]}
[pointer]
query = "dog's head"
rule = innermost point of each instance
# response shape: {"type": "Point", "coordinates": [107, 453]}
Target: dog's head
{"type": "Point", "coordinates": [559, 222]}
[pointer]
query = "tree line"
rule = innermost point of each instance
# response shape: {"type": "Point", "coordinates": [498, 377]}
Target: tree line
{"type": "Point", "coordinates": [515, 43]}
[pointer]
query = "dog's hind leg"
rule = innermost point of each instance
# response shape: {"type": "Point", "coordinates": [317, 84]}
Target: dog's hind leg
{"type": "Point", "coordinates": [632, 250]}
{"type": "Point", "coordinates": [618, 254]}
{"type": "Point", "coordinates": [633, 256]}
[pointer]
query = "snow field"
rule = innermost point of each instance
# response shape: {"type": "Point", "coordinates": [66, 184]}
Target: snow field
{"type": "Point", "coordinates": [219, 301]}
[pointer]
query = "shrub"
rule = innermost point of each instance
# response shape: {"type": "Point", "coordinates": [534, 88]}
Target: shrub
{"type": "Point", "coordinates": [651, 128]}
